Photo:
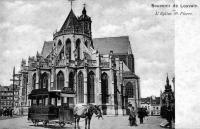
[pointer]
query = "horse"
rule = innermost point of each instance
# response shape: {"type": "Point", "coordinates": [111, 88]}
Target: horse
{"type": "Point", "coordinates": [87, 113]}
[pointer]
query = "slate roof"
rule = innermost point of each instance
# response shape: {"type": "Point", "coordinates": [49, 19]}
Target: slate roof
{"type": "Point", "coordinates": [47, 47]}
{"type": "Point", "coordinates": [116, 44]}
{"type": "Point", "coordinates": [71, 20]}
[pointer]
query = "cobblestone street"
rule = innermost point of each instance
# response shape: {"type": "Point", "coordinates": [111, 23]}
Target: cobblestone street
{"type": "Point", "coordinates": [109, 122]}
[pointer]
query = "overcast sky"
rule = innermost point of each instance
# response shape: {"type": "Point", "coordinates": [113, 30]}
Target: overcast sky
{"type": "Point", "coordinates": [26, 24]}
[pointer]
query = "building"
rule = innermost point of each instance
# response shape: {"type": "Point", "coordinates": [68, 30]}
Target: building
{"type": "Point", "coordinates": [152, 104]}
{"type": "Point", "coordinates": [23, 82]}
{"type": "Point", "coordinates": [98, 70]}
{"type": "Point", "coordinates": [6, 96]}
{"type": "Point", "coordinates": [168, 99]}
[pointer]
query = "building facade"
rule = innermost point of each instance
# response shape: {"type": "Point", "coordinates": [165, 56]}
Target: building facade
{"type": "Point", "coordinates": [6, 96]}
{"type": "Point", "coordinates": [98, 70]}
{"type": "Point", "coordinates": [152, 104]}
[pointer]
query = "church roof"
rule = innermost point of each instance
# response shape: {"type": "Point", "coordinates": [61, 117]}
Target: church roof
{"type": "Point", "coordinates": [71, 20]}
{"type": "Point", "coordinates": [119, 45]}
{"type": "Point", "coordinates": [116, 44]}
{"type": "Point", "coordinates": [129, 74]}
{"type": "Point", "coordinates": [47, 47]}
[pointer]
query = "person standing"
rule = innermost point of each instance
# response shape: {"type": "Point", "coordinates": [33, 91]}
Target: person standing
{"type": "Point", "coordinates": [132, 116]}
{"type": "Point", "coordinates": [141, 115]}
{"type": "Point", "coordinates": [169, 117]}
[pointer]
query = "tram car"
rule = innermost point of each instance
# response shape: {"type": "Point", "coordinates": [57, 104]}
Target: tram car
{"type": "Point", "coordinates": [51, 106]}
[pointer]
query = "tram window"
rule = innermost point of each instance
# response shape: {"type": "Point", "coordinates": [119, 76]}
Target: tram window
{"type": "Point", "coordinates": [59, 102]}
{"type": "Point", "coordinates": [53, 101]}
{"type": "Point", "coordinates": [40, 101]}
{"type": "Point", "coordinates": [34, 102]}
{"type": "Point", "coordinates": [46, 101]}
{"type": "Point", "coordinates": [64, 99]}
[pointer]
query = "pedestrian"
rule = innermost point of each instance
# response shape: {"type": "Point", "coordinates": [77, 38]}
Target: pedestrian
{"type": "Point", "coordinates": [169, 117]}
{"type": "Point", "coordinates": [1, 112]}
{"type": "Point", "coordinates": [132, 116]}
{"type": "Point", "coordinates": [141, 115]}
{"type": "Point", "coordinates": [10, 112]}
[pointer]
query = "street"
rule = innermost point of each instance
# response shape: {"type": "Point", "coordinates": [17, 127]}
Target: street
{"type": "Point", "coordinates": [108, 122]}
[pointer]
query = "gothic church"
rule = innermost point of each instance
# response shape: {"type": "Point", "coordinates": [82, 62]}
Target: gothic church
{"type": "Point", "coordinates": [95, 70]}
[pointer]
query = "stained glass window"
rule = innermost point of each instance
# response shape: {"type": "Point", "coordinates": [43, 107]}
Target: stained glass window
{"type": "Point", "coordinates": [34, 81]}
{"type": "Point", "coordinates": [104, 88]}
{"type": "Point", "coordinates": [44, 81]}
{"type": "Point", "coordinates": [129, 90]}
{"type": "Point", "coordinates": [68, 49]}
{"type": "Point", "coordinates": [80, 88]}
{"type": "Point", "coordinates": [90, 88]}
{"type": "Point", "coordinates": [60, 80]}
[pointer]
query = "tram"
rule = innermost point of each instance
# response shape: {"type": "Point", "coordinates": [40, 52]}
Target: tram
{"type": "Point", "coordinates": [51, 106]}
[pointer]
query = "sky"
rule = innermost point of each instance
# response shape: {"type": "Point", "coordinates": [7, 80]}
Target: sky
{"type": "Point", "coordinates": [26, 24]}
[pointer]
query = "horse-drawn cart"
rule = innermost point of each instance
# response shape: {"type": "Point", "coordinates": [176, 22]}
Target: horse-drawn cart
{"type": "Point", "coordinates": [50, 107]}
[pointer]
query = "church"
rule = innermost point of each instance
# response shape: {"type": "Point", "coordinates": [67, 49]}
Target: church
{"type": "Point", "coordinates": [97, 70]}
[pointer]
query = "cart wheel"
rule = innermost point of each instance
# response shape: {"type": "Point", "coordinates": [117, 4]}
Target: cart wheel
{"type": "Point", "coordinates": [45, 123]}
{"type": "Point", "coordinates": [62, 124]}
{"type": "Point", "coordinates": [35, 122]}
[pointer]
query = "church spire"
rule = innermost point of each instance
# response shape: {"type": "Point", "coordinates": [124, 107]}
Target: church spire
{"type": "Point", "coordinates": [84, 12]}
{"type": "Point", "coordinates": [167, 86]}
{"type": "Point", "coordinates": [167, 80]}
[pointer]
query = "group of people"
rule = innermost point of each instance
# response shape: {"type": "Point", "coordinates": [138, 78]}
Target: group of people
{"type": "Point", "coordinates": [132, 115]}
{"type": "Point", "coordinates": [6, 112]}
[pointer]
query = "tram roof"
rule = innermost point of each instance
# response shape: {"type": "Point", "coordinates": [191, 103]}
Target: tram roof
{"type": "Point", "coordinates": [43, 92]}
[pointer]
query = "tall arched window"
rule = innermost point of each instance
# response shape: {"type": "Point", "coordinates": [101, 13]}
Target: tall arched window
{"type": "Point", "coordinates": [104, 88]}
{"type": "Point", "coordinates": [129, 90]}
{"type": "Point", "coordinates": [60, 80]}
{"type": "Point", "coordinates": [44, 81]}
{"type": "Point", "coordinates": [90, 87]}
{"type": "Point", "coordinates": [71, 80]}
{"type": "Point", "coordinates": [34, 81]}
{"type": "Point", "coordinates": [80, 88]}
{"type": "Point", "coordinates": [78, 48]}
{"type": "Point", "coordinates": [68, 49]}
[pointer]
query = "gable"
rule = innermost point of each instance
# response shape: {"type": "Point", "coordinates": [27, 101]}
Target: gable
{"type": "Point", "coordinates": [70, 21]}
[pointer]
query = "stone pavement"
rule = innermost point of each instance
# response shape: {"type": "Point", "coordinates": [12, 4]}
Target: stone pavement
{"type": "Point", "coordinates": [8, 117]}
{"type": "Point", "coordinates": [151, 122]}
{"type": "Point", "coordinates": [109, 122]}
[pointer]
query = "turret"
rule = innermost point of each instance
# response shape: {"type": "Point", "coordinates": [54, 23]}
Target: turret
{"type": "Point", "coordinates": [85, 22]}
{"type": "Point", "coordinates": [167, 86]}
